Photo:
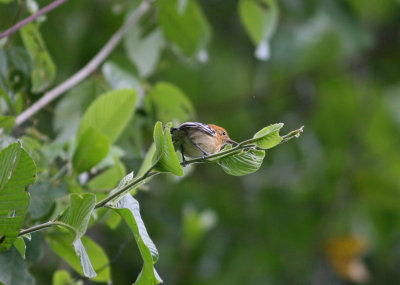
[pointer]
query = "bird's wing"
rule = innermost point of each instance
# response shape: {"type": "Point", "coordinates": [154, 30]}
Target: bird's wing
{"type": "Point", "coordinates": [204, 127]}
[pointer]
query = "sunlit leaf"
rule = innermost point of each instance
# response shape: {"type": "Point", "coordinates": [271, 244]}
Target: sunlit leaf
{"type": "Point", "coordinates": [245, 162]}
{"type": "Point", "coordinates": [44, 69]}
{"type": "Point", "coordinates": [110, 113]}
{"type": "Point", "coordinates": [169, 104]}
{"type": "Point", "coordinates": [128, 208]}
{"type": "Point", "coordinates": [92, 147]}
{"type": "Point", "coordinates": [165, 157]}
{"type": "Point", "coordinates": [13, 269]}
{"type": "Point", "coordinates": [268, 137]}
{"type": "Point", "coordinates": [17, 170]}
{"type": "Point", "coordinates": [109, 178]}
{"type": "Point", "coordinates": [184, 25]}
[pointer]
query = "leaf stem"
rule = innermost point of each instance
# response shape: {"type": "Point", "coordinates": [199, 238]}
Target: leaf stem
{"type": "Point", "coordinates": [148, 174]}
{"type": "Point", "coordinates": [45, 226]}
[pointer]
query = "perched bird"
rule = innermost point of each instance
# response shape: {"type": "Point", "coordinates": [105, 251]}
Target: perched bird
{"type": "Point", "coordinates": [199, 140]}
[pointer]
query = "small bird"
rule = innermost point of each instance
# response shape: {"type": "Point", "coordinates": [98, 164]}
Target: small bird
{"type": "Point", "coordinates": [195, 139]}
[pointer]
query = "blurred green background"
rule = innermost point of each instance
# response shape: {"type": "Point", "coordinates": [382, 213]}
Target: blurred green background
{"type": "Point", "coordinates": [323, 209]}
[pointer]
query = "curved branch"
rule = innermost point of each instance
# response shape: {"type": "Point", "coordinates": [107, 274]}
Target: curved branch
{"type": "Point", "coordinates": [87, 69]}
{"type": "Point", "coordinates": [39, 13]}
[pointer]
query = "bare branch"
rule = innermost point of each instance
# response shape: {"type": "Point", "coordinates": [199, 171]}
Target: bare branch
{"type": "Point", "coordinates": [87, 69]}
{"type": "Point", "coordinates": [39, 13]}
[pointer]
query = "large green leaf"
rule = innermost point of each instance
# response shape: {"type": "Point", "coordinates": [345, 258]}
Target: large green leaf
{"type": "Point", "coordinates": [17, 170]}
{"type": "Point", "coordinates": [44, 69]}
{"type": "Point", "coordinates": [77, 215]}
{"type": "Point", "coordinates": [61, 244]}
{"type": "Point", "coordinates": [144, 51]}
{"type": "Point", "coordinates": [169, 104]}
{"type": "Point", "coordinates": [92, 147]}
{"type": "Point", "coordinates": [268, 137]}
{"type": "Point", "coordinates": [260, 18]}
{"type": "Point", "coordinates": [13, 269]}
{"type": "Point", "coordinates": [110, 113]}
{"type": "Point", "coordinates": [165, 157]}
{"type": "Point", "coordinates": [128, 209]}
{"type": "Point", "coordinates": [184, 25]}
{"type": "Point", "coordinates": [245, 162]}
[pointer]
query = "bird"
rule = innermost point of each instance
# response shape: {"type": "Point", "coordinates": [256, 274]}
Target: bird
{"type": "Point", "coordinates": [194, 139]}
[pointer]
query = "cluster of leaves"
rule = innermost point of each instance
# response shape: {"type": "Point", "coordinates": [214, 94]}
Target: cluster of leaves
{"type": "Point", "coordinates": [72, 179]}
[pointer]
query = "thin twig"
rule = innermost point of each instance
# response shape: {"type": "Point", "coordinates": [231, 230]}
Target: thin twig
{"type": "Point", "coordinates": [39, 13]}
{"type": "Point", "coordinates": [87, 69]}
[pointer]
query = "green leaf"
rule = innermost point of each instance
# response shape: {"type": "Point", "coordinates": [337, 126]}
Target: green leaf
{"type": "Point", "coordinates": [165, 158]}
{"type": "Point", "coordinates": [184, 25]}
{"type": "Point", "coordinates": [260, 18]}
{"type": "Point", "coordinates": [119, 78]}
{"type": "Point", "coordinates": [144, 51]}
{"type": "Point", "coordinates": [128, 209]}
{"type": "Point", "coordinates": [148, 160]}
{"type": "Point", "coordinates": [62, 277]}
{"type": "Point", "coordinates": [43, 195]}
{"type": "Point", "coordinates": [169, 104]}
{"type": "Point", "coordinates": [268, 137]}
{"type": "Point", "coordinates": [61, 244]}
{"type": "Point", "coordinates": [13, 269]}
{"type": "Point", "coordinates": [109, 178]}
{"type": "Point", "coordinates": [245, 162]}
{"type": "Point", "coordinates": [7, 122]}
{"type": "Point", "coordinates": [69, 110]}
{"type": "Point", "coordinates": [110, 113]}
{"type": "Point", "coordinates": [92, 147]}
{"type": "Point", "coordinates": [77, 215]}
{"type": "Point", "coordinates": [44, 69]}
{"type": "Point", "coordinates": [19, 244]}
{"type": "Point", "coordinates": [17, 170]}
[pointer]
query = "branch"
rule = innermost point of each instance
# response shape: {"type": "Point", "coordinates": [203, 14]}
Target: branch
{"type": "Point", "coordinates": [39, 13]}
{"type": "Point", "coordinates": [88, 68]}
{"type": "Point", "coordinates": [45, 226]}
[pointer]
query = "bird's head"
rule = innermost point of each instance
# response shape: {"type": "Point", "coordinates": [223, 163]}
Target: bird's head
{"type": "Point", "coordinates": [222, 135]}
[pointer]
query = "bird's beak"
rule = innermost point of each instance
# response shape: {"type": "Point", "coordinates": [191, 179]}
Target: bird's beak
{"type": "Point", "coordinates": [231, 141]}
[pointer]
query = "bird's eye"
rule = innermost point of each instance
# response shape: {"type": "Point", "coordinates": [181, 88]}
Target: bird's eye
{"type": "Point", "coordinates": [223, 133]}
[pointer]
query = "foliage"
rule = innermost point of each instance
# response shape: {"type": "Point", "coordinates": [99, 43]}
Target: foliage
{"type": "Point", "coordinates": [307, 210]}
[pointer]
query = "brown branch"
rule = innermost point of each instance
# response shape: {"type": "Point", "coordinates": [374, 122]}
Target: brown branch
{"type": "Point", "coordinates": [39, 13]}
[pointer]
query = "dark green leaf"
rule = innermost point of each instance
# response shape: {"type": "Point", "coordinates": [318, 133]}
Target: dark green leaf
{"type": "Point", "coordinates": [17, 170]}
{"type": "Point", "coordinates": [92, 147]}
{"type": "Point", "coordinates": [184, 25]}
{"type": "Point", "coordinates": [169, 104]}
{"type": "Point", "coordinates": [165, 157]}
{"type": "Point", "coordinates": [268, 137]}
{"type": "Point", "coordinates": [61, 244]}
{"type": "Point", "coordinates": [44, 69]}
{"type": "Point", "coordinates": [110, 113]}
{"type": "Point", "coordinates": [245, 162]}
{"type": "Point", "coordinates": [13, 269]}
{"type": "Point", "coordinates": [128, 209]}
